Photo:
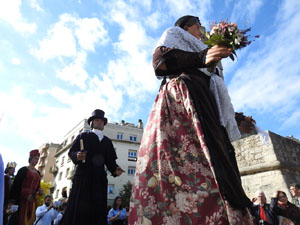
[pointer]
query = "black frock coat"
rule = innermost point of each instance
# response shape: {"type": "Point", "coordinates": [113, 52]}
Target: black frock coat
{"type": "Point", "coordinates": [87, 203]}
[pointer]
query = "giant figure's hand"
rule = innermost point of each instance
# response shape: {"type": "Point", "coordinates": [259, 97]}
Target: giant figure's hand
{"type": "Point", "coordinates": [119, 171]}
{"type": "Point", "coordinates": [81, 156]}
{"type": "Point", "coordinates": [216, 53]}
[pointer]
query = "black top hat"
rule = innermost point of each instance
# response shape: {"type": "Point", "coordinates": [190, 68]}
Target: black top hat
{"type": "Point", "coordinates": [97, 114]}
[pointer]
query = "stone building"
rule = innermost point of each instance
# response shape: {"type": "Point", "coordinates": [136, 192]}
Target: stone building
{"type": "Point", "coordinates": [126, 138]}
{"type": "Point", "coordinates": [268, 168]}
{"type": "Point", "coordinates": [47, 161]}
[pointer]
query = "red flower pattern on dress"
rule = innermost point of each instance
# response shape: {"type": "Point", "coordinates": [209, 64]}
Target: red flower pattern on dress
{"type": "Point", "coordinates": [174, 182]}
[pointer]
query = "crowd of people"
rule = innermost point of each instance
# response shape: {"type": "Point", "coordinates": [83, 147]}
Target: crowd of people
{"type": "Point", "coordinates": [280, 210]}
{"type": "Point", "coordinates": [21, 193]}
{"type": "Point", "coordinates": [186, 171]}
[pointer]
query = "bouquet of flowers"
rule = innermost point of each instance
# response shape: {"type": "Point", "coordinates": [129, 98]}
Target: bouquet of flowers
{"type": "Point", "coordinates": [227, 34]}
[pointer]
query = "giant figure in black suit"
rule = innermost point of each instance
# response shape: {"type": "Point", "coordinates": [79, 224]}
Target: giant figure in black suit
{"type": "Point", "coordinates": [88, 199]}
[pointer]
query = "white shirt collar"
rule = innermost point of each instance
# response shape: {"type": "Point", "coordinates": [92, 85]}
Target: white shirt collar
{"type": "Point", "coordinates": [98, 133]}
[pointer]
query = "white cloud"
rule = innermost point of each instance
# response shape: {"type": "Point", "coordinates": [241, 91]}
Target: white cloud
{"type": "Point", "coordinates": [61, 38]}
{"type": "Point", "coordinates": [35, 5]}
{"type": "Point", "coordinates": [130, 75]}
{"type": "Point", "coordinates": [11, 103]}
{"type": "Point", "coordinates": [270, 80]}
{"type": "Point", "coordinates": [246, 11]}
{"type": "Point", "coordinates": [292, 120]}
{"type": "Point", "coordinates": [75, 73]}
{"type": "Point", "coordinates": [145, 3]}
{"type": "Point", "coordinates": [15, 61]}
{"type": "Point", "coordinates": [10, 12]}
{"type": "Point", "coordinates": [154, 20]}
{"type": "Point", "coordinates": [20, 157]}
{"type": "Point", "coordinates": [37, 122]}
{"type": "Point", "coordinates": [203, 8]}
{"type": "Point", "coordinates": [89, 32]}
{"type": "Point", "coordinates": [132, 71]}
{"type": "Point", "coordinates": [180, 7]}
{"type": "Point", "coordinates": [60, 42]}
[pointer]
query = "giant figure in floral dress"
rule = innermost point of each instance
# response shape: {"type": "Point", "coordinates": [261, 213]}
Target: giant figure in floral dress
{"type": "Point", "coordinates": [186, 171]}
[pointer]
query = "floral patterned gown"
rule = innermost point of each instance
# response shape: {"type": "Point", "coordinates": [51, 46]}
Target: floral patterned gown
{"type": "Point", "coordinates": [175, 180]}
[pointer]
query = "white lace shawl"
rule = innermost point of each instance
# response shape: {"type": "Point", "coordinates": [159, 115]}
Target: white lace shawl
{"type": "Point", "coordinates": [178, 38]}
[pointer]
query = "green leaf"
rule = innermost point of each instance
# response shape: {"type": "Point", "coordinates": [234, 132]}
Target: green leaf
{"type": "Point", "coordinates": [233, 52]}
{"type": "Point", "coordinates": [162, 205]}
{"type": "Point", "coordinates": [187, 220]}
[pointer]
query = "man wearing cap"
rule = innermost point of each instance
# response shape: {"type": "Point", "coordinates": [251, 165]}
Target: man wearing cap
{"type": "Point", "coordinates": [91, 151]}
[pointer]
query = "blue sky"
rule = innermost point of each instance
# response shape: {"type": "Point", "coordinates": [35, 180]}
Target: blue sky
{"type": "Point", "coordinates": [60, 60]}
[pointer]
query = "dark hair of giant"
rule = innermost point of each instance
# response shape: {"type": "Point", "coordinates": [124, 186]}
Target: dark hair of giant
{"type": "Point", "coordinates": [187, 21]}
{"type": "Point", "coordinates": [115, 206]}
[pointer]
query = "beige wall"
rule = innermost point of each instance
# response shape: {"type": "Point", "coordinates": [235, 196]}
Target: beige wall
{"type": "Point", "coordinates": [268, 168]}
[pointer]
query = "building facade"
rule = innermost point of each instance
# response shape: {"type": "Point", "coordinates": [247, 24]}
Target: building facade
{"type": "Point", "coordinates": [47, 161]}
{"type": "Point", "coordinates": [126, 138]}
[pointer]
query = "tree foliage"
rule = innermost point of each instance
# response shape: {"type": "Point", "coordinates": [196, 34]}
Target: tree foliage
{"type": "Point", "coordinates": [125, 194]}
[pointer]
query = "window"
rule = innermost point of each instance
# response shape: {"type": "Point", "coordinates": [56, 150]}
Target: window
{"type": "Point", "coordinates": [67, 172]}
{"type": "Point", "coordinates": [62, 161]}
{"type": "Point", "coordinates": [132, 155]}
{"type": "Point", "coordinates": [132, 138]}
{"type": "Point", "coordinates": [60, 175]}
{"type": "Point", "coordinates": [68, 160]}
{"type": "Point", "coordinates": [56, 194]}
{"type": "Point", "coordinates": [72, 138]}
{"type": "Point", "coordinates": [110, 188]}
{"type": "Point", "coordinates": [119, 136]}
{"type": "Point", "coordinates": [131, 170]}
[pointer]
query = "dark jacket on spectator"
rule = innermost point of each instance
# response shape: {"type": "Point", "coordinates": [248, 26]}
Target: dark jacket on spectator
{"type": "Point", "coordinates": [272, 218]}
{"type": "Point", "coordinates": [291, 211]}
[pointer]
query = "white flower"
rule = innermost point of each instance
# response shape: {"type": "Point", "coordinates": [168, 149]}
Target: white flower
{"type": "Point", "coordinates": [142, 164]}
{"type": "Point", "coordinates": [236, 41]}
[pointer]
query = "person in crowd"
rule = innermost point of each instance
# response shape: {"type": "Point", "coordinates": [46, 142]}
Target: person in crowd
{"type": "Point", "coordinates": [91, 151]}
{"type": "Point", "coordinates": [295, 192]}
{"type": "Point", "coordinates": [46, 213]}
{"type": "Point", "coordinates": [289, 213]}
{"type": "Point", "coordinates": [61, 212]}
{"type": "Point", "coordinates": [10, 214]}
{"type": "Point", "coordinates": [1, 189]}
{"type": "Point", "coordinates": [9, 173]}
{"type": "Point", "coordinates": [117, 214]}
{"type": "Point", "coordinates": [186, 171]}
{"type": "Point", "coordinates": [261, 211]}
{"type": "Point", "coordinates": [64, 195]}
{"type": "Point", "coordinates": [25, 188]}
